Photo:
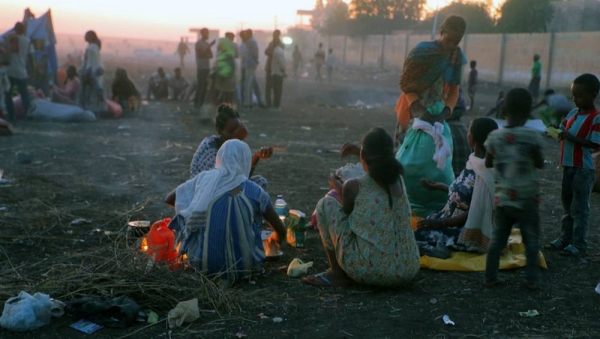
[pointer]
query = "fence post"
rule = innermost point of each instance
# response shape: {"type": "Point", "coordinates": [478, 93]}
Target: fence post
{"type": "Point", "coordinates": [550, 59]}
{"type": "Point", "coordinates": [502, 57]}
{"type": "Point", "coordinates": [362, 50]}
{"type": "Point", "coordinates": [406, 45]}
{"type": "Point", "coordinates": [383, 51]}
{"type": "Point", "coordinates": [344, 54]}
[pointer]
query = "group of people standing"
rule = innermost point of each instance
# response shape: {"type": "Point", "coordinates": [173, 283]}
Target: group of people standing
{"type": "Point", "coordinates": [219, 83]}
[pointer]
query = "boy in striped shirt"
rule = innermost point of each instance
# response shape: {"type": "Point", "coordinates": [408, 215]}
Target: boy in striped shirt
{"type": "Point", "coordinates": [580, 137]}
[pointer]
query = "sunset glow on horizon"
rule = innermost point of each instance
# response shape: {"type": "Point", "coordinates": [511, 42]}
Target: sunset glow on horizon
{"type": "Point", "coordinates": [152, 19]}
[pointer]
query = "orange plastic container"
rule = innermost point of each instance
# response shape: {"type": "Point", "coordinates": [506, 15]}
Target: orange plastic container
{"type": "Point", "coordinates": [161, 242]}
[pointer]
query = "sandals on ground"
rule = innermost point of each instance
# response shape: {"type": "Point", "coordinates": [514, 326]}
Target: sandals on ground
{"type": "Point", "coordinates": [572, 251]}
{"type": "Point", "coordinates": [556, 245]}
{"type": "Point", "coordinates": [321, 280]}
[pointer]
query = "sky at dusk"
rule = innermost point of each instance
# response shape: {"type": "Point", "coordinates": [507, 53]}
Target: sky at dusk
{"type": "Point", "coordinates": [161, 20]}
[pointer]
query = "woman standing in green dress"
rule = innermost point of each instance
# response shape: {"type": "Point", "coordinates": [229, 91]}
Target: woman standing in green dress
{"type": "Point", "coordinates": [430, 84]}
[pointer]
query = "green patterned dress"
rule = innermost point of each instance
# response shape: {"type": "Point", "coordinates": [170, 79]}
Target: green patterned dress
{"type": "Point", "coordinates": [375, 244]}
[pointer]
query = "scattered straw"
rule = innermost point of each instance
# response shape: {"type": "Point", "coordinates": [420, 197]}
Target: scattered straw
{"type": "Point", "coordinates": [116, 270]}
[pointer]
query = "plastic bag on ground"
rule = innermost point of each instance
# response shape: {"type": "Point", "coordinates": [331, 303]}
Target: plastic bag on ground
{"type": "Point", "coordinates": [298, 268]}
{"type": "Point", "coordinates": [118, 312]}
{"type": "Point", "coordinates": [26, 312]}
{"type": "Point", "coordinates": [184, 312]}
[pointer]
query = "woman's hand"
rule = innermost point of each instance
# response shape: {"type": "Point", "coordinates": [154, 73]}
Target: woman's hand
{"type": "Point", "coordinates": [430, 224]}
{"type": "Point", "coordinates": [263, 153]}
{"type": "Point", "coordinates": [335, 182]}
{"type": "Point", "coordinates": [349, 149]}
{"type": "Point", "coordinates": [433, 186]}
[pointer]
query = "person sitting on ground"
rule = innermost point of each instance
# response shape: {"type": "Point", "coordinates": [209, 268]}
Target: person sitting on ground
{"type": "Point", "coordinates": [158, 85]}
{"type": "Point", "coordinates": [471, 193]}
{"type": "Point", "coordinates": [125, 92]}
{"type": "Point", "coordinates": [229, 126]}
{"type": "Point", "coordinates": [368, 238]}
{"type": "Point", "coordinates": [557, 106]}
{"type": "Point", "coordinates": [179, 85]}
{"type": "Point", "coordinates": [68, 94]}
{"type": "Point", "coordinates": [219, 216]}
{"type": "Point", "coordinates": [496, 111]}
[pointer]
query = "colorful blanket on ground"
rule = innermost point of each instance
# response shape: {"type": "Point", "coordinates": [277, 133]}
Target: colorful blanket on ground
{"type": "Point", "coordinates": [475, 262]}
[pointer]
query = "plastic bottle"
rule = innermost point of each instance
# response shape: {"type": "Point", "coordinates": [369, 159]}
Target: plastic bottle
{"type": "Point", "coordinates": [281, 207]}
{"type": "Point", "coordinates": [296, 232]}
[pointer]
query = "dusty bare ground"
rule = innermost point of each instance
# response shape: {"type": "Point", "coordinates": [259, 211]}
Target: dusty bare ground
{"type": "Point", "coordinates": [102, 170]}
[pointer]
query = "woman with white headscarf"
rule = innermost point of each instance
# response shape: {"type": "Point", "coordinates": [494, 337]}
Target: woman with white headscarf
{"type": "Point", "coordinates": [219, 215]}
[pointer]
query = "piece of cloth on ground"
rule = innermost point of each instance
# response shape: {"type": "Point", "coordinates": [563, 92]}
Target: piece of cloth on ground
{"type": "Point", "coordinates": [50, 111]}
{"type": "Point", "coordinates": [514, 257]}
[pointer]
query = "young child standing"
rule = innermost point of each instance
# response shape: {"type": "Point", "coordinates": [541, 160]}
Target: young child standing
{"type": "Point", "coordinates": [515, 152]}
{"type": "Point", "coordinates": [472, 84]}
{"type": "Point", "coordinates": [580, 135]}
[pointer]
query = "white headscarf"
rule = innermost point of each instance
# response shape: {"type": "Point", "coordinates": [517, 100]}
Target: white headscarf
{"type": "Point", "coordinates": [232, 168]}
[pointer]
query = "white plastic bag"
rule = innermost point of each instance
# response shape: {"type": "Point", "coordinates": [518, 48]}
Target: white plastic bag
{"type": "Point", "coordinates": [26, 312]}
{"type": "Point", "coordinates": [298, 268]}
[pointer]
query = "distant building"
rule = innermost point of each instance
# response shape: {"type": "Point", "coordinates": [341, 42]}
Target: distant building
{"type": "Point", "coordinates": [575, 16]}
{"type": "Point", "coordinates": [306, 18]}
{"type": "Point", "coordinates": [214, 33]}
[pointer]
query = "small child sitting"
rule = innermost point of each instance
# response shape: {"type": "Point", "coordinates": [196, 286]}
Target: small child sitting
{"type": "Point", "coordinates": [515, 153]}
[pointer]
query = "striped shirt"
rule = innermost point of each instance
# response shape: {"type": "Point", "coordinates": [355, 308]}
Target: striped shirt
{"type": "Point", "coordinates": [584, 125]}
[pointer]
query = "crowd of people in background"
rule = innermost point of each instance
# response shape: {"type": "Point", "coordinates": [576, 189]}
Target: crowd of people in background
{"type": "Point", "coordinates": [25, 68]}
{"type": "Point", "coordinates": [227, 76]}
